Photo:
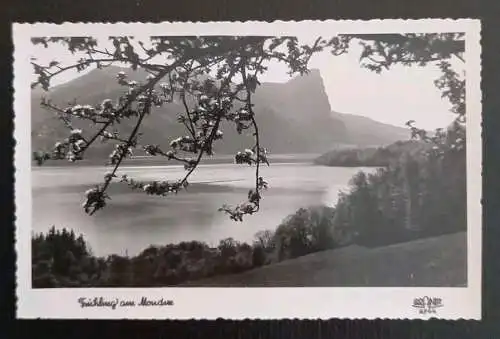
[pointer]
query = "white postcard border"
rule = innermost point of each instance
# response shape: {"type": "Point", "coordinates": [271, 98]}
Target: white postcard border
{"type": "Point", "coordinates": [248, 303]}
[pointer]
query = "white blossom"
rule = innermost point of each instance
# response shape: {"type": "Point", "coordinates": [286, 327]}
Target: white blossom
{"type": "Point", "coordinates": [106, 134]}
{"type": "Point", "coordinates": [107, 103]}
{"type": "Point", "coordinates": [80, 143]}
{"type": "Point", "coordinates": [77, 108]}
{"type": "Point", "coordinates": [175, 142]}
{"type": "Point", "coordinates": [71, 156]}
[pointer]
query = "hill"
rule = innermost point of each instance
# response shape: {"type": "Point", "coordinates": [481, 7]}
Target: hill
{"type": "Point", "coordinates": [439, 261]}
{"type": "Point", "coordinates": [371, 156]}
{"type": "Point", "coordinates": [363, 131]}
{"type": "Point", "coordinates": [294, 117]}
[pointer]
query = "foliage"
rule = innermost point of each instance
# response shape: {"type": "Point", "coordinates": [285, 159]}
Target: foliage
{"type": "Point", "coordinates": [414, 197]}
{"type": "Point", "coordinates": [371, 156]}
{"type": "Point", "coordinates": [59, 259]}
{"type": "Point", "coordinates": [62, 254]}
{"type": "Point", "coordinates": [214, 78]}
{"type": "Point", "coordinates": [306, 231]}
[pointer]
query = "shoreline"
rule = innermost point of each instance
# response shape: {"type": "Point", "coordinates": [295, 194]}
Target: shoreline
{"type": "Point", "coordinates": [143, 161]}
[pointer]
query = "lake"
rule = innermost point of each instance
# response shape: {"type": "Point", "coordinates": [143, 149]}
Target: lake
{"type": "Point", "coordinates": [133, 220]}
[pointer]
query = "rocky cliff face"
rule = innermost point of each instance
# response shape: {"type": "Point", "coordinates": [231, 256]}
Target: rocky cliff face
{"type": "Point", "coordinates": [294, 117]}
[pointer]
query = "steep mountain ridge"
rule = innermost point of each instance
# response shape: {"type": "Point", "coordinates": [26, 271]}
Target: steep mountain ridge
{"type": "Point", "coordinates": [363, 131]}
{"type": "Point", "coordinates": [294, 117]}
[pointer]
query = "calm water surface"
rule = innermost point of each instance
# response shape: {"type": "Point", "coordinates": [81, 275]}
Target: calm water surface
{"type": "Point", "coordinates": [132, 220]}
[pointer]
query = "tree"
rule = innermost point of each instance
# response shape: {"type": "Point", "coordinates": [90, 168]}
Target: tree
{"type": "Point", "coordinates": [214, 78]}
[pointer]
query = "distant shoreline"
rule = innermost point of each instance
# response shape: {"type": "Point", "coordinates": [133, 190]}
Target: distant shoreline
{"type": "Point", "coordinates": [160, 161]}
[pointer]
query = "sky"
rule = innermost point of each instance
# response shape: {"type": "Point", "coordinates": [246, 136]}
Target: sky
{"type": "Point", "coordinates": [393, 96]}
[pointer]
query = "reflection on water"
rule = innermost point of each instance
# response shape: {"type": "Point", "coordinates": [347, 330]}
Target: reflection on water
{"type": "Point", "coordinates": [132, 220]}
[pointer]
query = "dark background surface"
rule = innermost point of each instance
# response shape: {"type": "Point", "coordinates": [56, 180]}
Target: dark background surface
{"type": "Point", "coordinates": [148, 11]}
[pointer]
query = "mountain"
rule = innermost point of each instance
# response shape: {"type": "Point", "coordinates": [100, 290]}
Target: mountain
{"type": "Point", "coordinates": [363, 131]}
{"type": "Point", "coordinates": [293, 117]}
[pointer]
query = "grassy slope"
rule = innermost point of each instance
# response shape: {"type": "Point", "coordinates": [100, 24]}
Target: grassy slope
{"type": "Point", "coordinates": [440, 261]}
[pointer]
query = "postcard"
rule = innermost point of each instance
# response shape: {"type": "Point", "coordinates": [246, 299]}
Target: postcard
{"type": "Point", "coordinates": [248, 170]}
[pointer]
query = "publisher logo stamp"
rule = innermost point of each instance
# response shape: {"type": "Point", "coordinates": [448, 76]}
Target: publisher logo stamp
{"type": "Point", "coordinates": [427, 305]}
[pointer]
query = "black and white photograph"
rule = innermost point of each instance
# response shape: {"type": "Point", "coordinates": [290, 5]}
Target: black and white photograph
{"type": "Point", "coordinates": [247, 159]}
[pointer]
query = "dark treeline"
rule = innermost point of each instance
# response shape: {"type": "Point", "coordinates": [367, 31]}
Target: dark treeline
{"type": "Point", "coordinates": [61, 259]}
{"type": "Point", "coordinates": [370, 156]}
{"type": "Point", "coordinates": [413, 198]}
{"type": "Point", "coordinates": [420, 193]}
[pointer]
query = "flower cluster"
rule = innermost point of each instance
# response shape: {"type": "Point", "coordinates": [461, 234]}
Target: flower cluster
{"type": "Point", "coordinates": [106, 110]}
{"type": "Point", "coordinates": [241, 118]}
{"type": "Point", "coordinates": [95, 200]}
{"type": "Point", "coordinates": [237, 213]}
{"type": "Point", "coordinates": [75, 135]}
{"type": "Point", "coordinates": [246, 157]}
{"type": "Point", "coordinates": [261, 183]}
{"type": "Point", "coordinates": [72, 148]}
{"type": "Point", "coordinates": [218, 135]}
{"type": "Point", "coordinates": [155, 187]}
{"type": "Point", "coordinates": [156, 150]}
{"type": "Point", "coordinates": [41, 157]}
{"type": "Point", "coordinates": [82, 111]}
{"type": "Point", "coordinates": [190, 164]}
{"type": "Point", "coordinates": [121, 76]}
{"type": "Point", "coordinates": [152, 149]}
{"type": "Point", "coordinates": [186, 144]}
{"type": "Point", "coordinates": [108, 176]}
{"type": "Point", "coordinates": [107, 104]}
{"type": "Point", "coordinates": [253, 197]}
{"type": "Point", "coordinates": [156, 98]}
{"type": "Point", "coordinates": [60, 150]}
{"type": "Point", "coordinates": [119, 152]}
{"type": "Point", "coordinates": [208, 109]}
{"type": "Point", "coordinates": [249, 207]}
{"type": "Point", "coordinates": [250, 157]}
{"type": "Point", "coordinates": [105, 135]}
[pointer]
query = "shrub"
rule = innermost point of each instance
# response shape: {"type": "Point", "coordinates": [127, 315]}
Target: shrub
{"type": "Point", "coordinates": [306, 231]}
